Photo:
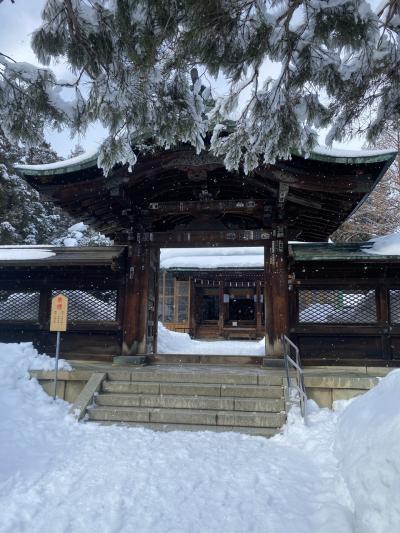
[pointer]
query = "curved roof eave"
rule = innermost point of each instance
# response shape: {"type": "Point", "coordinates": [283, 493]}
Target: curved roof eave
{"type": "Point", "coordinates": [89, 160]}
{"type": "Point", "coordinates": [86, 160]}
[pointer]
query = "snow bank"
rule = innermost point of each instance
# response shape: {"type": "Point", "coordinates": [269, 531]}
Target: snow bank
{"type": "Point", "coordinates": [386, 245]}
{"type": "Point", "coordinates": [367, 445]}
{"type": "Point", "coordinates": [25, 413]}
{"type": "Point", "coordinates": [16, 359]}
{"type": "Point", "coordinates": [174, 342]}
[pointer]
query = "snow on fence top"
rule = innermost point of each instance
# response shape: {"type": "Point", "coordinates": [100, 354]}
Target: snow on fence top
{"type": "Point", "coordinates": [24, 253]}
{"type": "Point", "coordinates": [61, 255]}
{"type": "Point", "coordinates": [89, 159]}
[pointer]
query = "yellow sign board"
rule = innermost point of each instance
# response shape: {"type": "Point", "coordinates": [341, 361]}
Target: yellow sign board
{"type": "Point", "coordinates": [59, 313]}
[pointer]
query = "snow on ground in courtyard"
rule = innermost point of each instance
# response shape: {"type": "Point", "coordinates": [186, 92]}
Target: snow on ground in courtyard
{"type": "Point", "coordinates": [57, 475]}
{"type": "Point", "coordinates": [174, 342]}
{"type": "Point", "coordinates": [339, 474]}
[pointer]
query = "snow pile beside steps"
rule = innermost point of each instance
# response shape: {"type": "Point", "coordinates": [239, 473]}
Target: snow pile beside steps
{"type": "Point", "coordinates": [367, 445]}
{"type": "Point", "coordinates": [16, 359]}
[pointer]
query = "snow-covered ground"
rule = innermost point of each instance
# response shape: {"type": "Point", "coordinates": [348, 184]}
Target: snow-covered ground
{"type": "Point", "coordinates": [174, 342]}
{"type": "Point", "coordinates": [339, 474]}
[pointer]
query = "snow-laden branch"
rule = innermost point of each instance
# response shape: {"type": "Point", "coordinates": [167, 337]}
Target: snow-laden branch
{"type": "Point", "coordinates": [136, 65]}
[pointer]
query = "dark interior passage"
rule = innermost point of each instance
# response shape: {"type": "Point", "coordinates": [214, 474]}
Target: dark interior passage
{"type": "Point", "coordinates": [210, 305]}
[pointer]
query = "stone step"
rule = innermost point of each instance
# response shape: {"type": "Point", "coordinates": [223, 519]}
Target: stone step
{"type": "Point", "coordinates": [151, 374]}
{"type": "Point", "coordinates": [261, 432]}
{"type": "Point", "coordinates": [171, 359]}
{"type": "Point", "coordinates": [193, 389]}
{"type": "Point", "coordinates": [190, 402]}
{"type": "Point", "coordinates": [187, 416]}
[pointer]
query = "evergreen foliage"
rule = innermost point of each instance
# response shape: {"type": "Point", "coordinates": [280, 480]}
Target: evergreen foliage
{"type": "Point", "coordinates": [25, 217]}
{"type": "Point", "coordinates": [146, 65]}
{"type": "Point", "coordinates": [81, 235]}
{"type": "Point", "coordinates": [77, 150]}
{"type": "Point", "coordinates": [40, 155]}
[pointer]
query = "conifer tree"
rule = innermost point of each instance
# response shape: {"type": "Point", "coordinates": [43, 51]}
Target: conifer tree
{"type": "Point", "coordinates": [77, 150]}
{"type": "Point", "coordinates": [338, 64]}
{"type": "Point", "coordinates": [25, 218]}
{"type": "Point", "coordinates": [41, 154]}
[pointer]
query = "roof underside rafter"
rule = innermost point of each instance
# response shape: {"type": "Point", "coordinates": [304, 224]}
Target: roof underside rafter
{"type": "Point", "coordinates": [177, 190]}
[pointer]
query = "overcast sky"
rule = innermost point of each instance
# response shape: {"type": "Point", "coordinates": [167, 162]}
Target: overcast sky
{"type": "Point", "coordinates": [17, 22]}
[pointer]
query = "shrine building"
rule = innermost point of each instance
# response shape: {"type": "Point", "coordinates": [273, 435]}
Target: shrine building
{"type": "Point", "coordinates": [242, 257]}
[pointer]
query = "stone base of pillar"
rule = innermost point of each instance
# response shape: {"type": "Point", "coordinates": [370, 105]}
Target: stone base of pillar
{"type": "Point", "coordinates": [273, 362]}
{"type": "Point", "coordinates": [122, 360]}
{"type": "Point", "coordinates": [273, 348]}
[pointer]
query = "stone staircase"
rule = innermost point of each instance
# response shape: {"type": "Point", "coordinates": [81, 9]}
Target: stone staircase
{"type": "Point", "coordinates": [244, 400]}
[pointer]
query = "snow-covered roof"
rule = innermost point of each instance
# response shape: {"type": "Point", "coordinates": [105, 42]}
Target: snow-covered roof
{"type": "Point", "coordinates": [205, 258]}
{"type": "Point", "coordinates": [340, 155]}
{"type": "Point", "coordinates": [85, 160]}
{"type": "Point", "coordinates": [253, 258]}
{"type": "Point", "coordinates": [58, 255]}
{"type": "Point", "coordinates": [320, 153]}
{"type": "Point", "coordinates": [386, 245]}
{"type": "Point", "coordinates": [212, 258]}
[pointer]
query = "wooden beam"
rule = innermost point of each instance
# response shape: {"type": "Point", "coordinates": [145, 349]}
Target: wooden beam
{"type": "Point", "coordinates": [184, 239]}
{"type": "Point", "coordinates": [283, 194]}
{"type": "Point", "coordinates": [314, 182]}
{"type": "Point", "coordinates": [230, 206]}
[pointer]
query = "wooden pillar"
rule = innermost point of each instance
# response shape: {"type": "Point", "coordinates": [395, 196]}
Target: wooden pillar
{"type": "Point", "coordinates": [163, 297]}
{"type": "Point", "coordinates": [382, 315]}
{"type": "Point", "coordinates": [258, 309]}
{"type": "Point", "coordinates": [221, 320]}
{"type": "Point", "coordinates": [44, 308]}
{"type": "Point", "coordinates": [154, 281]}
{"type": "Point", "coordinates": [135, 301]}
{"type": "Point", "coordinates": [276, 291]}
{"type": "Point", "coordinates": [192, 308]}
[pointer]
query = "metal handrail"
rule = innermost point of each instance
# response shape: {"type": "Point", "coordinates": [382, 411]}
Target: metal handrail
{"type": "Point", "coordinates": [297, 383]}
